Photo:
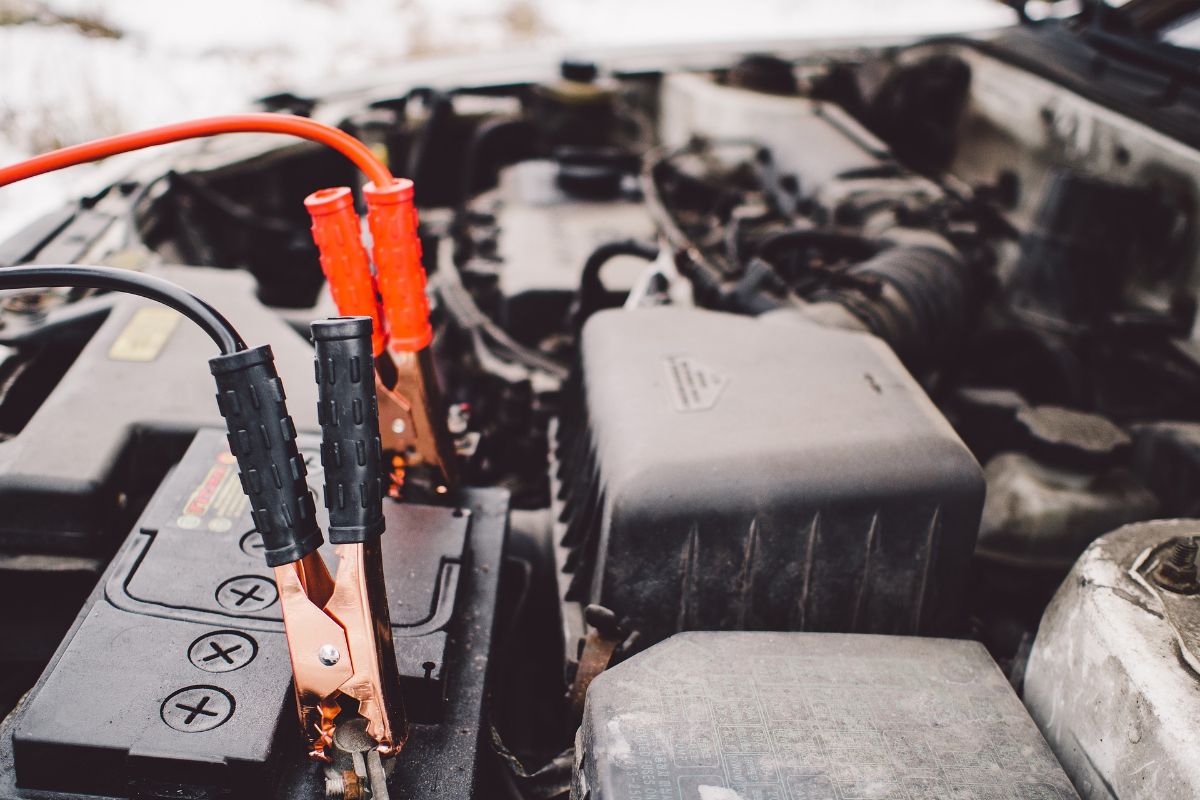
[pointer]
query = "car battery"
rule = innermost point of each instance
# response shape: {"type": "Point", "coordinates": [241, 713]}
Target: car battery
{"type": "Point", "coordinates": [810, 716]}
{"type": "Point", "coordinates": [175, 679]}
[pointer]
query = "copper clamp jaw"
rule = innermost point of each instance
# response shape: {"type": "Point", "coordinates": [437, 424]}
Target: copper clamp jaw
{"type": "Point", "coordinates": [340, 642]}
{"type": "Point", "coordinates": [338, 629]}
{"type": "Point", "coordinates": [412, 415]}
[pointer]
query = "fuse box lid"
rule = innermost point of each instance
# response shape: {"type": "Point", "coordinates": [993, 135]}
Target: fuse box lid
{"type": "Point", "coordinates": [810, 715]}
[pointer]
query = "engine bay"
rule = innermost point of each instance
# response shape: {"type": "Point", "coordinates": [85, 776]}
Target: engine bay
{"type": "Point", "coordinates": [807, 425]}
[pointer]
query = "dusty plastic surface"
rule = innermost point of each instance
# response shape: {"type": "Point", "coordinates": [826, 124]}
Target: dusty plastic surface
{"type": "Point", "coordinates": [813, 140]}
{"type": "Point", "coordinates": [126, 410]}
{"type": "Point", "coordinates": [1112, 679]}
{"type": "Point", "coordinates": [771, 716]}
{"type": "Point", "coordinates": [723, 472]}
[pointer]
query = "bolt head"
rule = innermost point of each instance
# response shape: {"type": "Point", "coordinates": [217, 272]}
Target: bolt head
{"type": "Point", "coordinates": [328, 655]}
{"type": "Point", "coordinates": [397, 426]}
{"type": "Point", "coordinates": [1176, 571]}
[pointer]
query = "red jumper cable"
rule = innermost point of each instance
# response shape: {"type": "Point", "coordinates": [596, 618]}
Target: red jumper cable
{"type": "Point", "coordinates": [412, 419]}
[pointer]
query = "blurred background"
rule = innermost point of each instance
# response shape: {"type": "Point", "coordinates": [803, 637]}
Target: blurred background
{"type": "Point", "coordinates": [72, 70]}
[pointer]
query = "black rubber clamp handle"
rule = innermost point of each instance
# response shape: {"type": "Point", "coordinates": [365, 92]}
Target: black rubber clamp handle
{"type": "Point", "coordinates": [262, 437]}
{"type": "Point", "coordinates": [351, 450]}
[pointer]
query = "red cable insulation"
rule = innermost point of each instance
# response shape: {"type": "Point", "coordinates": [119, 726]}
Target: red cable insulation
{"type": "Point", "coordinates": [302, 127]}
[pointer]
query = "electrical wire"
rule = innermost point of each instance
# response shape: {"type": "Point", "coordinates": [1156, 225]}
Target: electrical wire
{"type": "Point", "coordinates": [289, 124]}
{"type": "Point", "coordinates": [131, 236]}
{"type": "Point", "coordinates": [162, 291]}
{"type": "Point", "coordinates": [468, 316]}
{"type": "Point", "coordinates": [591, 294]}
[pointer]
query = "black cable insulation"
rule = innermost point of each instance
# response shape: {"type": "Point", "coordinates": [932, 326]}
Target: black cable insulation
{"type": "Point", "coordinates": [162, 291]}
{"type": "Point", "coordinates": [590, 296]}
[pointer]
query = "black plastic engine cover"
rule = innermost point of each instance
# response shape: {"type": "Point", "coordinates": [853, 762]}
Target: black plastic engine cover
{"type": "Point", "coordinates": [125, 411]}
{"type": "Point", "coordinates": [543, 238]}
{"type": "Point", "coordinates": [723, 472]}
{"type": "Point", "coordinates": [175, 680]}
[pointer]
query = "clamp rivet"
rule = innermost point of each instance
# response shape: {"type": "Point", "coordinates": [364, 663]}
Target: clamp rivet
{"type": "Point", "coordinates": [397, 426]}
{"type": "Point", "coordinates": [328, 655]}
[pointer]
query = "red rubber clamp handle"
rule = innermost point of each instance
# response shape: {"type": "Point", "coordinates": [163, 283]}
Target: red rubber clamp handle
{"type": "Point", "coordinates": [392, 218]}
{"type": "Point", "coordinates": [335, 229]}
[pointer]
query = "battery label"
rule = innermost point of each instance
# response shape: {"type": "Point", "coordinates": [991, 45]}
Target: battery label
{"type": "Point", "coordinates": [217, 501]}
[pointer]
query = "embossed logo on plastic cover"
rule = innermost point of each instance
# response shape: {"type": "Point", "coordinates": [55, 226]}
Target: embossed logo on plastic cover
{"type": "Point", "coordinates": [693, 386]}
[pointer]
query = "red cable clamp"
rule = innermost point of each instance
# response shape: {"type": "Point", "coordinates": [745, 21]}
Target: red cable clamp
{"type": "Point", "coordinates": [336, 232]}
{"type": "Point", "coordinates": [392, 218]}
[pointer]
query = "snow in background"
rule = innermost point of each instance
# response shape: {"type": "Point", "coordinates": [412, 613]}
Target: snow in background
{"type": "Point", "coordinates": [72, 70]}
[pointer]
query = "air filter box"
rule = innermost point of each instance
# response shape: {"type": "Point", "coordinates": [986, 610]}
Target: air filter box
{"type": "Point", "coordinates": [724, 472]}
{"type": "Point", "coordinates": [770, 716]}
